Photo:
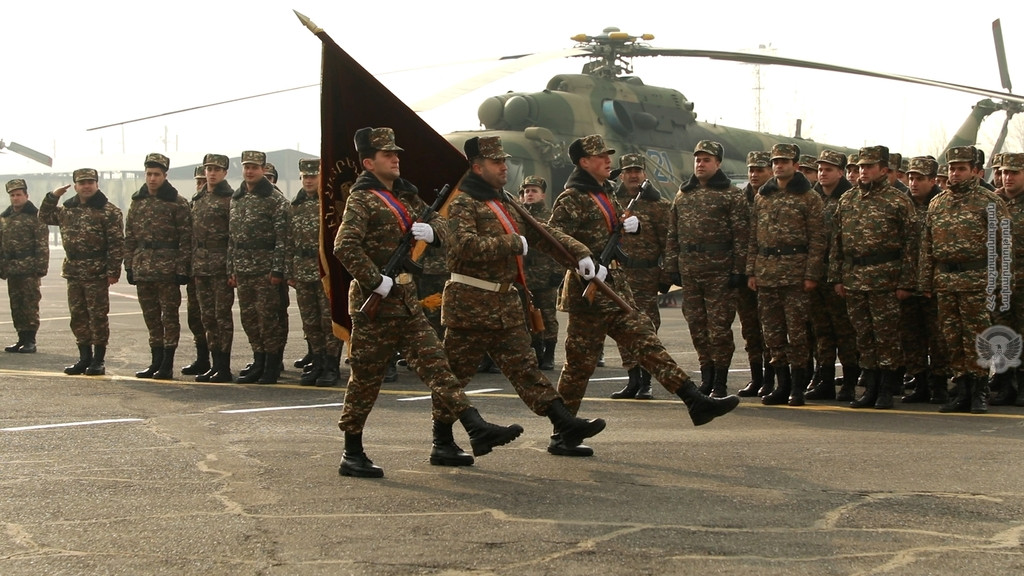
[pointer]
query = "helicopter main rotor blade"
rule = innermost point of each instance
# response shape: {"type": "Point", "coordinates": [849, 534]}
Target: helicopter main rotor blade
{"type": "Point", "coordinates": [29, 153]}
{"type": "Point", "coordinates": [1004, 72]}
{"type": "Point", "coordinates": [776, 60]}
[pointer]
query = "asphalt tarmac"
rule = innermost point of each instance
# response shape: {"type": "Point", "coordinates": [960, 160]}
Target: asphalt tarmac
{"type": "Point", "coordinates": [118, 475]}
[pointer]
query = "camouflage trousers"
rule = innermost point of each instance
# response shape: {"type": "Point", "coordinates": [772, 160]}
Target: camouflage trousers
{"type": "Point", "coordinates": [510, 350]}
{"type": "Point", "coordinates": [644, 284]}
{"type": "Point", "coordinates": [194, 315]}
{"type": "Point", "coordinates": [962, 318]}
{"type": "Point", "coordinates": [160, 302]}
{"type": "Point", "coordinates": [709, 306]}
{"type": "Point", "coordinates": [633, 331]}
{"type": "Point", "coordinates": [24, 293]}
{"type": "Point", "coordinates": [784, 323]}
{"type": "Point", "coordinates": [546, 300]}
{"type": "Point", "coordinates": [216, 299]}
{"type": "Point", "coordinates": [429, 288]}
{"type": "Point", "coordinates": [373, 343]}
{"type": "Point", "coordinates": [89, 304]}
{"type": "Point", "coordinates": [284, 300]}
{"type": "Point", "coordinates": [315, 312]}
{"type": "Point", "coordinates": [750, 326]}
{"type": "Point", "coordinates": [921, 338]}
{"type": "Point", "coordinates": [875, 316]}
{"type": "Point", "coordinates": [259, 304]}
{"type": "Point", "coordinates": [830, 322]}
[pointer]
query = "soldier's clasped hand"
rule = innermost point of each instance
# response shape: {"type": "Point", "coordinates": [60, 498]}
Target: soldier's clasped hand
{"type": "Point", "coordinates": [422, 231]}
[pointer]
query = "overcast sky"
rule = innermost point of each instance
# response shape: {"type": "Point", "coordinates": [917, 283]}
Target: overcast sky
{"type": "Point", "coordinates": [71, 66]}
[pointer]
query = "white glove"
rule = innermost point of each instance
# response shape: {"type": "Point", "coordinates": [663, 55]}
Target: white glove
{"type": "Point", "coordinates": [586, 268]}
{"type": "Point", "coordinates": [602, 273]}
{"type": "Point", "coordinates": [423, 231]}
{"type": "Point", "coordinates": [526, 247]}
{"type": "Point", "coordinates": [386, 282]}
{"type": "Point", "coordinates": [631, 225]}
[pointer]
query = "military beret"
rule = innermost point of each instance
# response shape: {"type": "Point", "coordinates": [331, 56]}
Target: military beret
{"type": "Point", "coordinates": [485, 147]}
{"type": "Point", "coordinates": [592, 145]}
{"type": "Point", "coordinates": [786, 151]}
{"type": "Point", "coordinates": [85, 174]}
{"type": "Point", "coordinates": [1012, 161]}
{"type": "Point", "coordinates": [309, 167]}
{"type": "Point", "coordinates": [960, 154]}
{"type": "Point", "coordinates": [158, 160]}
{"type": "Point", "coordinates": [632, 161]}
{"type": "Point", "coordinates": [831, 157]}
{"type": "Point", "coordinates": [16, 184]}
{"type": "Point", "coordinates": [759, 159]}
{"type": "Point", "coordinates": [368, 140]}
{"type": "Point", "coordinates": [253, 157]}
{"type": "Point", "coordinates": [873, 155]}
{"type": "Point", "coordinates": [924, 165]}
{"type": "Point", "coordinates": [808, 161]}
{"type": "Point", "coordinates": [216, 160]}
{"type": "Point", "coordinates": [710, 147]}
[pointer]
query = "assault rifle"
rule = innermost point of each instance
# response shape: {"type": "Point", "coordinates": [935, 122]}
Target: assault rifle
{"type": "Point", "coordinates": [612, 249]}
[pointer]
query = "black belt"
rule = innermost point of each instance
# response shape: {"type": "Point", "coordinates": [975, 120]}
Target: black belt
{"type": "Point", "coordinates": [20, 255]}
{"type": "Point", "coordinates": [158, 245]}
{"type": "Point", "coordinates": [265, 245]}
{"type": "Point", "coordinates": [962, 266]}
{"type": "Point", "coordinates": [873, 259]}
{"type": "Point", "coordinates": [710, 247]}
{"type": "Point", "coordinates": [85, 255]}
{"type": "Point", "coordinates": [783, 250]}
{"type": "Point", "coordinates": [307, 252]}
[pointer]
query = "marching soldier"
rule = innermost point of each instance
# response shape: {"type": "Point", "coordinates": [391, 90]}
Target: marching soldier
{"type": "Point", "coordinates": [302, 269]}
{"type": "Point", "coordinates": [157, 247]}
{"type": "Point", "coordinates": [543, 274]}
{"type": "Point", "coordinates": [762, 374]}
{"type": "Point", "coordinates": [92, 231]}
{"type": "Point", "coordinates": [708, 232]}
{"type": "Point", "coordinates": [1011, 168]}
{"type": "Point", "coordinates": [258, 229]}
{"type": "Point", "coordinates": [24, 260]}
{"type": "Point", "coordinates": [194, 315]}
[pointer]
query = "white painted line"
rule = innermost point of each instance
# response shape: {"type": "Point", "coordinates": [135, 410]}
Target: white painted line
{"type": "Point", "coordinates": [273, 408]}
{"type": "Point", "coordinates": [609, 379]}
{"type": "Point", "coordinates": [123, 295]}
{"type": "Point", "coordinates": [468, 392]}
{"type": "Point", "coordinates": [66, 424]}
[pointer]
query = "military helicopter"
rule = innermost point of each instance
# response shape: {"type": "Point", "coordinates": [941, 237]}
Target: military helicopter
{"type": "Point", "coordinates": [26, 152]}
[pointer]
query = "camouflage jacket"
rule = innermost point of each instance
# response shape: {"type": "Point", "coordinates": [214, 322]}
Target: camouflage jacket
{"type": "Point", "coordinates": [24, 242]}
{"type": "Point", "coordinates": [955, 252]}
{"type": "Point", "coordinates": [787, 234]}
{"type": "Point", "coordinates": [303, 263]}
{"type": "Point", "coordinates": [1015, 206]}
{"type": "Point", "coordinates": [920, 214]}
{"type": "Point", "coordinates": [576, 213]}
{"type": "Point", "coordinates": [828, 213]}
{"type": "Point", "coordinates": [258, 228]}
{"type": "Point", "coordinates": [708, 228]}
{"type": "Point", "coordinates": [158, 235]}
{"type": "Point", "coordinates": [542, 271]}
{"type": "Point", "coordinates": [873, 247]}
{"type": "Point", "coordinates": [211, 210]}
{"type": "Point", "coordinates": [369, 234]}
{"type": "Point", "coordinates": [92, 234]}
{"type": "Point", "coordinates": [646, 248]}
{"type": "Point", "coordinates": [481, 248]}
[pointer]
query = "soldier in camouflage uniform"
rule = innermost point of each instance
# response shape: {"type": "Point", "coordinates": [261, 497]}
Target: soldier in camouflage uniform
{"type": "Point", "coordinates": [978, 170]}
{"type": "Point", "coordinates": [543, 274]}
{"type": "Point", "coordinates": [482, 311]}
{"type": "Point", "coordinates": [852, 168]}
{"type": "Point", "coordinates": [942, 176]}
{"type": "Point", "coordinates": [380, 209]}
{"type": "Point", "coordinates": [762, 374]}
{"type": "Point", "coordinates": [785, 259]}
{"type": "Point", "coordinates": [1011, 167]}
{"type": "Point", "coordinates": [302, 269]}
{"type": "Point", "coordinates": [956, 263]}
{"type": "Point", "coordinates": [24, 259]}
{"type": "Point", "coordinates": [588, 212]}
{"type": "Point", "coordinates": [642, 265]}
{"type": "Point", "coordinates": [92, 231]}
{"type": "Point", "coordinates": [891, 171]}
{"type": "Point", "coordinates": [706, 254]}
{"type": "Point", "coordinates": [211, 208]}
{"type": "Point", "coordinates": [872, 265]}
{"type": "Point", "coordinates": [270, 173]}
{"type": "Point", "coordinates": [833, 333]}
{"type": "Point", "coordinates": [258, 227]}
{"type": "Point", "coordinates": [158, 248]}
{"type": "Point", "coordinates": [808, 166]}
{"type": "Point", "coordinates": [997, 173]}
{"type": "Point", "coordinates": [194, 315]}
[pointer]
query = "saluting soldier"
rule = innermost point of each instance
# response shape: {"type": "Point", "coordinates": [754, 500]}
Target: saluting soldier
{"type": "Point", "coordinates": [92, 231]}
{"type": "Point", "coordinates": [762, 374]}
{"type": "Point", "coordinates": [380, 209]}
{"type": "Point", "coordinates": [708, 232]}
{"type": "Point", "coordinates": [257, 251]}
{"type": "Point", "coordinates": [543, 274]}
{"type": "Point", "coordinates": [1011, 167]}
{"type": "Point", "coordinates": [193, 315]}
{"type": "Point", "coordinates": [24, 260]}
{"type": "Point", "coordinates": [158, 247]}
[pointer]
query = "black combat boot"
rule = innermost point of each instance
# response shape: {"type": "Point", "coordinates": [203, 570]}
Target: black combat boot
{"type": "Point", "coordinates": [645, 392]}
{"type": "Point", "coordinates": [707, 379]}
{"type": "Point", "coordinates": [547, 362]}
{"type": "Point", "coordinates": [221, 370]}
{"type": "Point", "coordinates": [631, 387]}
{"type": "Point", "coordinates": [719, 387]}
{"type": "Point", "coordinates": [487, 366]}
{"type": "Point", "coordinates": [484, 436]}
{"type": "Point", "coordinates": [979, 394]}
{"type": "Point", "coordinates": [826, 388]}
{"type": "Point", "coordinates": [781, 393]}
{"type": "Point", "coordinates": [1008, 392]}
{"type": "Point", "coordinates": [272, 370]}
{"type": "Point", "coordinates": [538, 348]}
{"type": "Point", "coordinates": [253, 373]}
{"type": "Point", "coordinates": [16, 347]}
{"type": "Point", "coordinates": [354, 462]}
{"type": "Point", "coordinates": [96, 366]}
{"type": "Point", "coordinates": [391, 372]}
{"type": "Point", "coordinates": [331, 374]}
{"type": "Point", "coordinates": [961, 400]}
{"type": "Point", "coordinates": [890, 384]}
{"type": "Point", "coordinates": [316, 368]}
{"type": "Point", "coordinates": [302, 362]}
{"type": "Point", "coordinates": [201, 363]}
{"type": "Point", "coordinates": [870, 379]}
{"type": "Point", "coordinates": [570, 431]}
{"type": "Point", "coordinates": [444, 451]}
{"type": "Point", "coordinates": [28, 342]}
{"type": "Point", "coordinates": [84, 359]}
{"type": "Point", "coordinates": [921, 393]}
{"type": "Point", "coordinates": [939, 386]}
{"type": "Point", "coordinates": [166, 371]}
{"type": "Point", "coordinates": [1020, 383]}
{"type": "Point", "coordinates": [769, 380]}
{"type": "Point", "coordinates": [799, 378]}
{"type": "Point", "coordinates": [756, 381]}
{"type": "Point", "coordinates": [157, 354]}
{"type": "Point", "coordinates": [848, 389]}
{"type": "Point", "coordinates": [704, 409]}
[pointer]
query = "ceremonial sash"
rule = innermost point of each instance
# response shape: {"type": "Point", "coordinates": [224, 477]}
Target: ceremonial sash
{"type": "Point", "coordinates": [536, 321]}
{"type": "Point", "coordinates": [607, 211]}
{"type": "Point", "coordinates": [396, 207]}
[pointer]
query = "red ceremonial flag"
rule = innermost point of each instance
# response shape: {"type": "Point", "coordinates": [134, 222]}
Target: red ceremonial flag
{"type": "Point", "coordinates": [350, 99]}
